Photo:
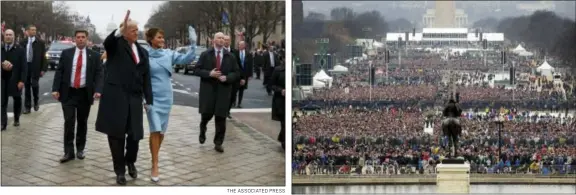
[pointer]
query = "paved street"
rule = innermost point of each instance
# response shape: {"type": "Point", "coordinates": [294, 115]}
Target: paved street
{"type": "Point", "coordinates": [30, 154]}
{"type": "Point", "coordinates": [185, 92]}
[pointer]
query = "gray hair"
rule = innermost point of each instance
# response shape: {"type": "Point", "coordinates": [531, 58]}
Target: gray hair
{"type": "Point", "coordinates": [9, 30]}
{"type": "Point", "coordinates": [218, 34]}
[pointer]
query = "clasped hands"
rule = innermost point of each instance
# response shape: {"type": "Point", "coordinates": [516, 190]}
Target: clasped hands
{"type": "Point", "coordinates": [7, 65]}
{"type": "Point", "coordinates": [215, 73]}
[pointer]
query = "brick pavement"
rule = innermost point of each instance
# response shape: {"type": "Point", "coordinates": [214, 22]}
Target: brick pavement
{"type": "Point", "coordinates": [30, 154]}
{"type": "Point", "coordinates": [260, 121]}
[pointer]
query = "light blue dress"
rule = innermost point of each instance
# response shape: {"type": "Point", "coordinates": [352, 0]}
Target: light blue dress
{"type": "Point", "coordinates": [161, 62]}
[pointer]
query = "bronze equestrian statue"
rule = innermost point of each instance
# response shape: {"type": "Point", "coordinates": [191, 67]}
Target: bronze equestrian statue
{"type": "Point", "coordinates": [451, 124]}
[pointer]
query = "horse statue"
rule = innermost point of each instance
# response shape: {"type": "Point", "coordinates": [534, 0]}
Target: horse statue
{"type": "Point", "coordinates": [451, 127]}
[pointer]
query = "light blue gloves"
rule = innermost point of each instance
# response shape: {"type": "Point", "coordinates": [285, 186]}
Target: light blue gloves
{"type": "Point", "coordinates": [192, 35]}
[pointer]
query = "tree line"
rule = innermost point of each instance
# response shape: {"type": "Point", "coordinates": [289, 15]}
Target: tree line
{"type": "Point", "coordinates": [543, 31]}
{"type": "Point", "coordinates": [51, 18]}
{"type": "Point", "coordinates": [342, 28]}
{"type": "Point", "coordinates": [48, 17]}
{"type": "Point", "coordinates": [253, 18]}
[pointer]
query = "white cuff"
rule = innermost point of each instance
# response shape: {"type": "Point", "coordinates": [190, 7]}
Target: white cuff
{"type": "Point", "coordinates": [117, 33]}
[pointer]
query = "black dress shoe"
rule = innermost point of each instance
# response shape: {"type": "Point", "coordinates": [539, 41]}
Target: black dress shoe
{"type": "Point", "coordinates": [121, 180]}
{"type": "Point", "coordinates": [3, 127]}
{"type": "Point", "coordinates": [80, 155]}
{"type": "Point", "coordinates": [219, 148]}
{"type": "Point", "coordinates": [229, 116]}
{"type": "Point", "coordinates": [202, 137]}
{"type": "Point", "coordinates": [66, 158]}
{"type": "Point", "coordinates": [132, 170]}
{"type": "Point", "coordinates": [239, 106]}
{"type": "Point", "coordinates": [26, 111]}
{"type": "Point", "coordinates": [16, 123]}
{"type": "Point", "coordinates": [36, 108]}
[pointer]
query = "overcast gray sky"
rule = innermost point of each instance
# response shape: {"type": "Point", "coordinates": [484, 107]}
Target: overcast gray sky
{"type": "Point", "coordinates": [101, 12]}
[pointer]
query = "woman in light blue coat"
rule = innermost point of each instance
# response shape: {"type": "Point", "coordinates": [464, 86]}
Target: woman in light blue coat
{"type": "Point", "coordinates": [161, 66]}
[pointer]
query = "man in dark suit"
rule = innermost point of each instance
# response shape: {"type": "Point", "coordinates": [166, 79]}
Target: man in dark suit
{"type": "Point", "coordinates": [258, 62]}
{"type": "Point", "coordinates": [127, 82]}
{"type": "Point", "coordinates": [13, 76]}
{"type": "Point", "coordinates": [227, 42]}
{"type": "Point", "coordinates": [77, 82]}
{"type": "Point", "coordinates": [278, 84]}
{"type": "Point", "coordinates": [218, 72]}
{"type": "Point", "coordinates": [35, 50]}
{"type": "Point", "coordinates": [270, 62]}
{"type": "Point", "coordinates": [245, 61]}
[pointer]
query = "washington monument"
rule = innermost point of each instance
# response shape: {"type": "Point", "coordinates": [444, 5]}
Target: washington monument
{"type": "Point", "coordinates": [445, 14]}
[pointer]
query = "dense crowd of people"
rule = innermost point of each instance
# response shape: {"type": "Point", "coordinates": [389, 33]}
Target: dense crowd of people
{"type": "Point", "coordinates": [360, 137]}
{"type": "Point", "coordinates": [352, 127]}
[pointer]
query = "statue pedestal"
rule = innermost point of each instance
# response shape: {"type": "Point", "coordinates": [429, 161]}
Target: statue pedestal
{"type": "Point", "coordinates": [453, 176]}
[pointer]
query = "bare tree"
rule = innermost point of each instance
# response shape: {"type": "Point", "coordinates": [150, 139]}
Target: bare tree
{"type": "Point", "coordinates": [51, 18]}
{"type": "Point", "coordinates": [256, 18]}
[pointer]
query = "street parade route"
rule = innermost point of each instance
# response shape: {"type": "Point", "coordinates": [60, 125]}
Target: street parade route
{"type": "Point", "coordinates": [30, 154]}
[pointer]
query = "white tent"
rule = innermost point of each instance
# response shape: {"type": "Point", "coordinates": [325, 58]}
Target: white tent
{"type": "Point", "coordinates": [321, 79]}
{"type": "Point", "coordinates": [546, 70]}
{"type": "Point", "coordinates": [519, 49]}
{"type": "Point", "coordinates": [339, 68]}
{"type": "Point", "coordinates": [525, 53]}
{"type": "Point", "coordinates": [378, 44]}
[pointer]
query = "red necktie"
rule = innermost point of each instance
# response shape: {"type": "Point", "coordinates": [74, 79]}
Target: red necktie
{"type": "Point", "coordinates": [218, 60]}
{"type": "Point", "coordinates": [78, 73]}
{"type": "Point", "coordinates": [134, 56]}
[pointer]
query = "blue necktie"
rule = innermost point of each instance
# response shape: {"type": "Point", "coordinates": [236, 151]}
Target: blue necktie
{"type": "Point", "coordinates": [242, 59]}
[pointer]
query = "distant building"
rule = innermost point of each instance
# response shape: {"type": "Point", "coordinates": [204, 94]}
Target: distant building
{"type": "Point", "coordinates": [445, 37]}
{"type": "Point", "coordinates": [445, 15]}
{"type": "Point", "coordinates": [460, 19]}
{"type": "Point", "coordinates": [81, 22]}
{"type": "Point", "coordinates": [111, 26]}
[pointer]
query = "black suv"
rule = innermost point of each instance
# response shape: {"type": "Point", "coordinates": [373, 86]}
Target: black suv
{"type": "Point", "coordinates": [55, 50]}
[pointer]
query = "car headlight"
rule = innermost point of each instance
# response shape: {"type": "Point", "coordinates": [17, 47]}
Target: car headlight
{"type": "Point", "coordinates": [47, 55]}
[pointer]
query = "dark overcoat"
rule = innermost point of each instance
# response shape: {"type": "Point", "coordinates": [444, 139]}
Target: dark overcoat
{"type": "Point", "coordinates": [248, 69]}
{"type": "Point", "coordinates": [214, 95]}
{"type": "Point", "coordinates": [278, 83]}
{"type": "Point", "coordinates": [39, 61]}
{"type": "Point", "coordinates": [63, 74]}
{"type": "Point", "coordinates": [126, 84]}
{"type": "Point", "coordinates": [17, 56]}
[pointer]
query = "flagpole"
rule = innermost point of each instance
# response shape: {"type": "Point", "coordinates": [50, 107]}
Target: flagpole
{"type": "Point", "coordinates": [370, 79]}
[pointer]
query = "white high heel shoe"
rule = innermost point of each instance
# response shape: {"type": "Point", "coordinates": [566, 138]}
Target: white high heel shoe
{"type": "Point", "coordinates": [155, 179]}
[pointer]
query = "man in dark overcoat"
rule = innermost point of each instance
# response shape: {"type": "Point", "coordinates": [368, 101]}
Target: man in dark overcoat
{"type": "Point", "coordinates": [37, 65]}
{"type": "Point", "coordinates": [245, 61]}
{"type": "Point", "coordinates": [278, 85]}
{"type": "Point", "coordinates": [14, 70]}
{"type": "Point", "coordinates": [218, 72]}
{"type": "Point", "coordinates": [271, 60]}
{"type": "Point", "coordinates": [126, 84]}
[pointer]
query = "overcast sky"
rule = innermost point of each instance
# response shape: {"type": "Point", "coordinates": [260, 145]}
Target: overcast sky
{"type": "Point", "coordinates": [101, 12]}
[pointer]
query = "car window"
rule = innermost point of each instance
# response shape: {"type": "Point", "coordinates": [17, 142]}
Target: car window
{"type": "Point", "coordinates": [60, 46]}
{"type": "Point", "coordinates": [199, 50]}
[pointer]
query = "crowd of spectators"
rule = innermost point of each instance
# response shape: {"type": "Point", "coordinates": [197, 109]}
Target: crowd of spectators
{"type": "Point", "coordinates": [357, 137]}
{"type": "Point", "coordinates": [354, 128]}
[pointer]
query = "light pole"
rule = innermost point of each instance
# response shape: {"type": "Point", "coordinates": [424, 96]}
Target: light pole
{"type": "Point", "coordinates": [500, 126]}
